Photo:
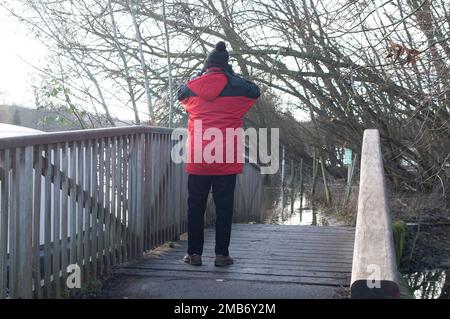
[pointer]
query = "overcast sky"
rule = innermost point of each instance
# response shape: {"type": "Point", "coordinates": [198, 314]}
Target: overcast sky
{"type": "Point", "coordinates": [17, 49]}
{"type": "Point", "coordinates": [20, 51]}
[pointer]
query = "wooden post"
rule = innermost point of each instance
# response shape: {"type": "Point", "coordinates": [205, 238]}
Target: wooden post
{"type": "Point", "coordinates": [64, 211]}
{"type": "Point", "coordinates": [314, 217]}
{"type": "Point", "coordinates": [121, 199]}
{"type": "Point", "coordinates": [349, 168]}
{"type": "Point", "coordinates": [47, 223]}
{"type": "Point", "coordinates": [73, 205]}
{"type": "Point", "coordinates": [85, 212]}
{"type": "Point", "coordinates": [282, 183]}
{"type": "Point", "coordinates": [113, 205]}
{"type": "Point", "coordinates": [56, 221]}
{"type": "Point", "coordinates": [95, 207]}
{"type": "Point", "coordinates": [314, 176]}
{"type": "Point", "coordinates": [351, 171]}
{"type": "Point", "coordinates": [25, 223]}
{"type": "Point", "coordinates": [132, 197]}
{"type": "Point", "coordinates": [282, 168]}
{"type": "Point", "coordinates": [5, 209]}
{"type": "Point", "coordinates": [101, 205]}
{"type": "Point", "coordinates": [325, 183]}
{"type": "Point", "coordinates": [37, 224]}
{"type": "Point", "coordinates": [139, 213]}
{"type": "Point", "coordinates": [292, 185]}
{"type": "Point", "coordinates": [301, 186]}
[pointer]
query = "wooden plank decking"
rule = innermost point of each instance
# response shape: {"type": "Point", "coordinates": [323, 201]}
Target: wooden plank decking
{"type": "Point", "coordinates": [271, 261]}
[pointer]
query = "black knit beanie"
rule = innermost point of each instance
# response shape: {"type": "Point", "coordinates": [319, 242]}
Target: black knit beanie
{"type": "Point", "coordinates": [218, 57]}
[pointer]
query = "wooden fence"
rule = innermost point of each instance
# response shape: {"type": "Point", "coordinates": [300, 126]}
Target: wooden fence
{"type": "Point", "coordinates": [95, 198]}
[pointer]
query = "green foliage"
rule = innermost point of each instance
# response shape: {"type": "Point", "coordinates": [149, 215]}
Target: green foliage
{"type": "Point", "coordinates": [91, 289]}
{"type": "Point", "coordinates": [399, 232]}
{"type": "Point", "coordinates": [399, 229]}
{"type": "Point", "coordinates": [406, 292]}
{"type": "Point", "coordinates": [65, 294]}
{"type": "Point", "coordinates": [88, 290]}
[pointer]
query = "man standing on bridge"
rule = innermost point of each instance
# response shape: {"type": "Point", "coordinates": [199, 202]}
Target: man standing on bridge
{"type": "Point", "coordinates": [217, 99]}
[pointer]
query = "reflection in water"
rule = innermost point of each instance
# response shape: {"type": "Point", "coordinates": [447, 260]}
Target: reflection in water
{"type": "Point", "coordinates": [277, 209]}
{"type": "Point", "coordinates": [433, 284]}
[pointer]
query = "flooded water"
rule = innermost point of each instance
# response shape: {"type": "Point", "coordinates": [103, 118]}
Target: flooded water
{"type": "Point", "coordinates": [277, 209]}
{"type": "Point", "coordinates": [432, 284]}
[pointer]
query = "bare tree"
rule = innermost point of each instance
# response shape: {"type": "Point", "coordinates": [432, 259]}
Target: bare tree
{"type": "Point", "coordinates": [125, 63]}
{"type": "Point", "coordinates": [348, 65]}
{"type": "Point", "coordinates": [142, 59]}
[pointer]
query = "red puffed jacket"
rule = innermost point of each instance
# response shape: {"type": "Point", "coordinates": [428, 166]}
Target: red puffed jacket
{"type": "Point", "coordinates": [216, 100]}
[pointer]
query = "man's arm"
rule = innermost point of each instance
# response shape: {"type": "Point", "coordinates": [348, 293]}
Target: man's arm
{"type": "Point", "coordinates": [183, 92]}
{"type": "Point", "coordinates": [253, 90]}
{"type": "Point", "coordinates": [244, 87]}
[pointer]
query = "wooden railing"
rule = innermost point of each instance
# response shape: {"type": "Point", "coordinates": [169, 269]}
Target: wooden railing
{"type": "Point", "coordinates": [374, 271]}
{"type": "Point", "coordinates": [95, 198]}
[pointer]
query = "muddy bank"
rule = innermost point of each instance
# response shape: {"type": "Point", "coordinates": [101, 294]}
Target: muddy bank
{"type": "Point", "coordinates": [427, 241]}
{"type": "Point", "coordinates": [425, 261]}
{"type": "Point", "coordinates": [426, 247]}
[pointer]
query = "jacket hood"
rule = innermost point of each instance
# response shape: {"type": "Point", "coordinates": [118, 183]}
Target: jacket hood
{"type": "Point", "coordinates": [208, 86]}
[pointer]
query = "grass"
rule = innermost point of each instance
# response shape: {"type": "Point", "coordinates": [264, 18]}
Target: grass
{"type": "Point", "coordinates": [399, 232]}
{"type": "Point", "coordinates": [89, 290]}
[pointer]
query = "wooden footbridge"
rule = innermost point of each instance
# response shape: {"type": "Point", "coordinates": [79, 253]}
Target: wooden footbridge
{"type": "Point", "coordinates": [111, 202]}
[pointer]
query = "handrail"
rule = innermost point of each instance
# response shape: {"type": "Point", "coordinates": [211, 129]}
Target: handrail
{"type": "Point", "coordinates": [76, 135]}
{"type": "Point", "coordinates": [374, 271]}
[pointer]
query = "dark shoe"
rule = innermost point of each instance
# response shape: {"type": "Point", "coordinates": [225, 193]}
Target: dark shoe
{"type": "Point", "coordinates": [222, 261]}
{"type": "Point", "coordinates": [194, 259]}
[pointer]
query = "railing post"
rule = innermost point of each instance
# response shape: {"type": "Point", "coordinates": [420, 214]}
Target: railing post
{"type": "Point", "coordinates": [139, 205]}
{"type": "Point", "coordinates": [374, 270]}
{"type": "Point", "coordinates": [5, 160]}
{"type": "Point", "coordinates": [24, 227]}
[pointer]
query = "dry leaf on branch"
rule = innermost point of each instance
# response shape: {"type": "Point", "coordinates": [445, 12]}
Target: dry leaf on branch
{"type": "Point", "coordinates": [398, 50]}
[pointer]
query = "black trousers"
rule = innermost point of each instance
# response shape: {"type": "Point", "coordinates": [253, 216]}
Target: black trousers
{"type": "Point", "coordinates": [223, 195]}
